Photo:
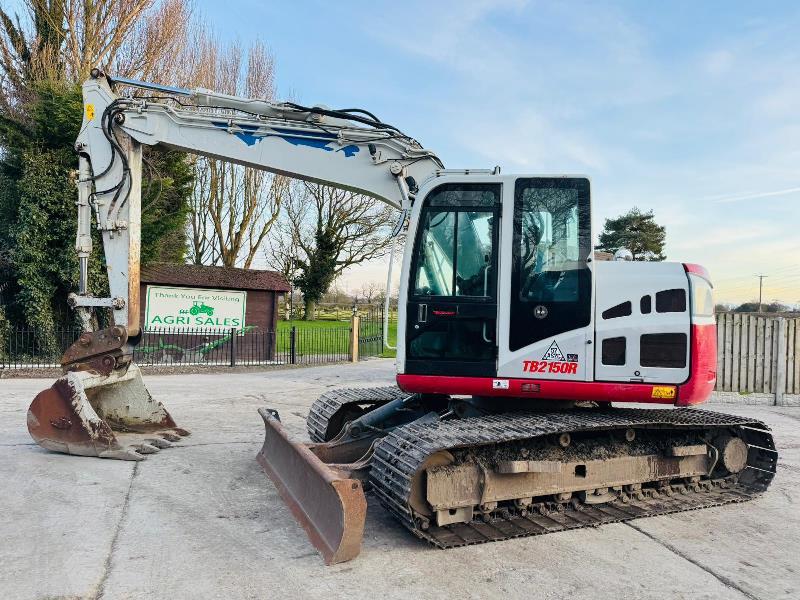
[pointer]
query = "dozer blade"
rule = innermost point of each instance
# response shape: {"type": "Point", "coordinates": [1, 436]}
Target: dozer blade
{"type": "Point", "coordinates": [110, 416]}
{"type": "Point", "coordinates": [329, 505]}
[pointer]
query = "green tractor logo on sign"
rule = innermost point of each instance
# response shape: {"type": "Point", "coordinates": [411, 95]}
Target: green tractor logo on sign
{"type": "Point", "coordinates": [201, 307]}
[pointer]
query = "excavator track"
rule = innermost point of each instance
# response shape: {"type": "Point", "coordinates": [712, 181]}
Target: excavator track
{"type": "Point", "coordinates": [327, 414]}
{"type": "Point", "coordinates": [403, 453]}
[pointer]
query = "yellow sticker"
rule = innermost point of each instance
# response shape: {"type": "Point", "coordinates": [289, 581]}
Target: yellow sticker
{"type": "Point", "coordinates": [89, 112]}
{"type": "Point", "coordinates": [663, 391]}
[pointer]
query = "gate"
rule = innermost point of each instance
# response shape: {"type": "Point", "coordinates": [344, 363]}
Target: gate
{"type": "Point", "coordinates": [370, 331]}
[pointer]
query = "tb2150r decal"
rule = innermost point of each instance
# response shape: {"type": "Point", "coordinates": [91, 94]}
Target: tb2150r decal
{"type": "Point", "coordinates": [553, 361]}
{"type": "Point", "coordinates": [546, 366]}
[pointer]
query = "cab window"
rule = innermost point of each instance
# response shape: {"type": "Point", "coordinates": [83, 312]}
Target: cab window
{"type": "Point", "coordinates": [551, 244]}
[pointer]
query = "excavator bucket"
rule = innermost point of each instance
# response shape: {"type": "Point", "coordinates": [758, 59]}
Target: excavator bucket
{"type": "Point", "coordinates": [325, 500]}
{"type": "Point", "coordinates": [111, 416]}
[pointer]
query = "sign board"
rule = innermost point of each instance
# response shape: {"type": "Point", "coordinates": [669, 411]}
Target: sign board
{"type": "Point", "coordinates": [194, 308]}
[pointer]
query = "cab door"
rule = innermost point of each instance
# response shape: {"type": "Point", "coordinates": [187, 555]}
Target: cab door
{"type": "Point", "coordinates": [452, 291]}
{"type": "Point", "coordinates": [546, 315]}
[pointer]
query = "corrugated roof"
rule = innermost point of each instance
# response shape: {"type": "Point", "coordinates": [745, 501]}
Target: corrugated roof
{"type": "Point", "coordinates": [226, 278]}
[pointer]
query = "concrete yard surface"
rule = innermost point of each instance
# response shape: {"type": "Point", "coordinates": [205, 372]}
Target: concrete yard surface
{"type": "Point", "coordinates": [203, 521]}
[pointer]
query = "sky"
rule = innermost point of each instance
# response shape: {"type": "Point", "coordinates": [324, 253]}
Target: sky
{"type": "Point", "coordinates": [691, 109]}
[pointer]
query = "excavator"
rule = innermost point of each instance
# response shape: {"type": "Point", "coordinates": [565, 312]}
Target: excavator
{"type": "Point", "coordinates": [519, 354]}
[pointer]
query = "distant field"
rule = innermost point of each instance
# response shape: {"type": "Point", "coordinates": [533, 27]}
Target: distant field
{"type": "Point", "coordinates": [312, 325]}
{"type": "Point", "coordinates": [324, 337]}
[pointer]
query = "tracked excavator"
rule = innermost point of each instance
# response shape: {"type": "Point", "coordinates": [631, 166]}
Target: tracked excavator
{"type": "Point", "coordinates": [513, 341]}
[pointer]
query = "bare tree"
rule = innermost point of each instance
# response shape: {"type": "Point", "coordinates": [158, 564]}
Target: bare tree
{"type": "Point", "coordinates": [201, 249]}
{"type": "Point", "coordinates": [368, 292]}
{"type": "Point", "coordinates": [234, 207]}
{"type": "Point", "coordinates": [66, 39]}
{"type": "Point", "coordinates": [325, 231]}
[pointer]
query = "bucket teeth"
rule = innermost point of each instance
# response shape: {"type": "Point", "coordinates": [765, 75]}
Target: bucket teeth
{"type": "Point", "coordinates": [171, 437]}
{"type": "Point", "coordinates": [121, 455]}
{"type": "Point", "coordinates": [159, 443]}
{"type": "Point", "coordinates": [181, 432]}
{"type": "Point", "coordinates": [146, 449]}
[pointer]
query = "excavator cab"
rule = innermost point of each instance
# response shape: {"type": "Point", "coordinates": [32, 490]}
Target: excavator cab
{"type": "Point", "coordinates": [501, 266]}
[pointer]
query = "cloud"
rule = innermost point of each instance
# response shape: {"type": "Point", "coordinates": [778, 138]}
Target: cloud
{"type": "Point", "coordinates": [753, 196]}
{"type": "Point", "coordinates": [661, 109]}
{"type": "Point", "coordinates": [719, 62]}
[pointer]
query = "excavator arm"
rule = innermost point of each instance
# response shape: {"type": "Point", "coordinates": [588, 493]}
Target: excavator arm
{"type": "Point", "coordinates": [348, 149]}
{"type": "Point", "coordinates": [100, 407]}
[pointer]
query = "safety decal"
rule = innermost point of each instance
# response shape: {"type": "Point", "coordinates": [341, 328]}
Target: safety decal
{"type": "Point", "coordinates": [663, 391]}
{"type": "Point", "coordinates": [553, 353]}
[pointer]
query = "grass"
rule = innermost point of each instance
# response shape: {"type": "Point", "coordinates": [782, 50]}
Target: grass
{"type": "Point", "coordinates": [387, 353]}
{"type": "Point", "coordinates": [312, 325]}
{"type": "Point", "coordinates": [324, 337]}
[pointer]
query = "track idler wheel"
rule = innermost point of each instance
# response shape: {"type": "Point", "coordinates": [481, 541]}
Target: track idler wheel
{"type": "Point", "coordinates": [732, 452]}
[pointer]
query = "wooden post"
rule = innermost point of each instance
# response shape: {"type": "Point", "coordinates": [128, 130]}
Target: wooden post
{"type": "Point", "coordinates": [780, 359]}
{"type": "Point", "coordinates": [354, 327]}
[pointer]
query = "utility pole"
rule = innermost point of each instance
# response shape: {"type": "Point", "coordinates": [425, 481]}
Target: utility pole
{"type": "Point", "coordinates": [760, 288]}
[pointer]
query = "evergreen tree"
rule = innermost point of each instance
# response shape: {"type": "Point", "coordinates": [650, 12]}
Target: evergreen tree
{"type": "Point", "coordinates": [638, 232]}
{"type": "Point", "coordinates": [40, 115]}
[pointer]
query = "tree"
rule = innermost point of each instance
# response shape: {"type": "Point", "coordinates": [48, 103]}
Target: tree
{"type": "Point", "coordinates": [325, 231]}
{"type": "Point", "coordinates": [772, 307]}
{"type": "Point", "coordinates": [44, 55]}
{"type": "Point", "coordinates": [233, 208]}
{"type": "Point", "coordinates": [638, 232]}
{"type": "Point", "coordinates": [62, 40]}
{"type": "Point", "coordinates": [37, 191]}
{"type": "Point", "coordinates": [368, 292]}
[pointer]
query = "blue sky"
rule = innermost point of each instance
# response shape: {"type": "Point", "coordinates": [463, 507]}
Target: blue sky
{"type": "Point", "coordinates": [690, 109]}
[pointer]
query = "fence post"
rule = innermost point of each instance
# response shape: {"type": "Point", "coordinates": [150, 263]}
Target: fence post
{"type": "Point", "coordinates": [293, 345]}
{"type": "Point", "coordinates": [354, 331]}
{"type": "Point", "coordinates": [268, 346]}
{"type": "Point", "coordinates": [233, 347]}
{"type": "Point", "coordinates": [780, 359]}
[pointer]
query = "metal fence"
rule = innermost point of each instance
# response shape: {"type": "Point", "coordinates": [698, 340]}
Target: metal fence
{"type": "Point", "coordinates": [758, 353]}
{"type": "Point", "coordinates": [293, 343]}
